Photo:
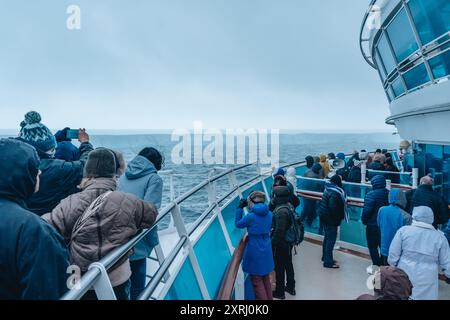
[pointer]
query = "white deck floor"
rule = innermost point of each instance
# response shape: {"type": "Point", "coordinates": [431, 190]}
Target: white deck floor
{"type": "Point", "coordinates": [313, 282]}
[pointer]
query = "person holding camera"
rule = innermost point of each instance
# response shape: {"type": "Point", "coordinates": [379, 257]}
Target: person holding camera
{"type": "Point", "coordinates": [258, 258]}
{"type": "Point", "coordinates": [65, 150]}
{"type": "Point", "coordinates": [59, 178]}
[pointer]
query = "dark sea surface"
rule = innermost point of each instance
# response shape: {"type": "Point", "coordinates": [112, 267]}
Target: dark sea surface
{"type": "Point", "coordinates": [292, 148]}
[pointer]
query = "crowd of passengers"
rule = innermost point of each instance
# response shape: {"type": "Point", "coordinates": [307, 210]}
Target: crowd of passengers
{"type": "Point", "coordinates": [63, 205]}
{"type": "Point", "coordinates": [407, 249]}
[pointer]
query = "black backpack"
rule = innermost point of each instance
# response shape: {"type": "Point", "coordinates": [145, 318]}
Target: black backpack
{"type": "Point", "coordinates": [295, 233]}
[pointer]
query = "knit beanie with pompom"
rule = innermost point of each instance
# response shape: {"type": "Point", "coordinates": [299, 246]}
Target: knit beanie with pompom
{"type": "Point", "coordinates": [36, 134]}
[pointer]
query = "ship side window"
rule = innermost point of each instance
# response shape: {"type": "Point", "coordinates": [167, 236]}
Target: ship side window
{"type": "Point", "coordinates": [380, 65]}
{"type": "Point", "coordinates": [386, 54]}
{"type": "Point", "coordinates": [402, 37]}
{"type": "Point", "coordinates": [416, 77]}
{"type": "Point", "coordinates": [397, 87]}
{"type": "Point", "coordinates": [390, 93]}
{"type": "Point", "coordinates": [440, 65]}
{"type": "Point", "coordinates": [431, 17]}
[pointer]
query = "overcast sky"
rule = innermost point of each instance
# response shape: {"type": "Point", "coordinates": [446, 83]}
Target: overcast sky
{"type": "Point", "coordinates": [154, 64]}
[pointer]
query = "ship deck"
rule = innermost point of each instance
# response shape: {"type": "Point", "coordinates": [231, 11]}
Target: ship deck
{"type": "Point", "coordinates": [314, 282]}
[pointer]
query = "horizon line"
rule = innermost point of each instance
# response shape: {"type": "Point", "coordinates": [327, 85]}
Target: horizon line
{"type": "Point", "coordinates": [168, 131]}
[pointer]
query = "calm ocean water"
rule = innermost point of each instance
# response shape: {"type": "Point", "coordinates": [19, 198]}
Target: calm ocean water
{"type": "Point", "coordinates": [293, 148]}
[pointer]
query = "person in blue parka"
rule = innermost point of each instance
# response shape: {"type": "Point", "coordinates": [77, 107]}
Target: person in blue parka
{"type": "Point", "coordinates": [258, 256]}
{"type": "Point", "coordinates": [33, 256]}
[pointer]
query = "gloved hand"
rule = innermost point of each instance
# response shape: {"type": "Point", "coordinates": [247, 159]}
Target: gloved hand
{"type": "Point", "coordinates": [243, 203]}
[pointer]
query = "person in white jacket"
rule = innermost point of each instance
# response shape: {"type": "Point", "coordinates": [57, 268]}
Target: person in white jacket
{"type": "Point", "coordinates": [421, 251]}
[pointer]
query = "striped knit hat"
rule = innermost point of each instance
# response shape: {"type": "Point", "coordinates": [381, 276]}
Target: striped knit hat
{"type": "Point", "coordinates": [36, 134]}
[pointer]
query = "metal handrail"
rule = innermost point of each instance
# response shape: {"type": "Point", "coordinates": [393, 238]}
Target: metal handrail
{"type": "Point", "coordinates": [367, 184]}
{"type": "Point", "coordinates": [361, 40]}
{"type": "Point", "coordinates": [390, 172]}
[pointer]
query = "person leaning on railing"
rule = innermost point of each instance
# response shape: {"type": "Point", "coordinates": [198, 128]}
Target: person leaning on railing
{"type": "Point", "coordinates": [99, 219]}
{"type": "Point", "coordinates": [142, 180]}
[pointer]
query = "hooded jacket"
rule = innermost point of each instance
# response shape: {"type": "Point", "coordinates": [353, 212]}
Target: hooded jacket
{"type": "Point", "coordinates": [391, 218]}
{"type": "Point", "coordinates": [374, 200]}
{"type": "Point", "coordinates": [424, 195]}
{"type": "Point", "coordinates": [258, 257]}
{"type": "Point", "coordinates": [142, 180]}
{"type": "Point", "coordinates": [332, 206]}
{"type": "Point", "coordinates": [315, 172]}
{"type": "Point", "coordinates": [120, 217]}
{"type": "Point", "coordinates": [33, 256]}
{"type": "Point", "coordinates": [67, 151]}
{"type": "Point", "coordinates": [325, 165]}
{"type": "Point", "coordinates": [59, 179]}
{"type": "Point", "coordinates": [391, 283]}
{"type": "Point", "coordinates": [421, 251]}
{"type": "Point", "coordinates": [354, 175]}
{"type": "Point", "coordinates": [282, 209]}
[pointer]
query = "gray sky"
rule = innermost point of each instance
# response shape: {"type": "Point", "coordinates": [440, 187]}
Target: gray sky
{"type": "Point", "coordinates": [152, 64]}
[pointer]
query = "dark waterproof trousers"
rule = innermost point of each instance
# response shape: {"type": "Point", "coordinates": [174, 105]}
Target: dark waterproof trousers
{"type": "Point", "coordinates": [284, 269]}
{"type": "Point", "coordinates": [373, 237]}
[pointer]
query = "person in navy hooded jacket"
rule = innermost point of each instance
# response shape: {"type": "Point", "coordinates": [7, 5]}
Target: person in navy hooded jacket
{"type": "Point", "coordinates": [33, 256]}
{"type": "Point", "coordinates": [258, 257]}
{"type": "Point", "coordinates": [374, 200]}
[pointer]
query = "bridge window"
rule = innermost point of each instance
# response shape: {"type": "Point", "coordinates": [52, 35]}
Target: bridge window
{"type": "Point", "coordinates": [386, 54]}
{"type": "Point", "coordinates": [397, 86]}
{"type": "Point", "coordinates": [431, 17]}
{"type": "Point", "coordinates": [440, 65]}
{"type": "Point", "coordinates": [402, 37]}
{"type": "Point", "coordinates": [416, 77]}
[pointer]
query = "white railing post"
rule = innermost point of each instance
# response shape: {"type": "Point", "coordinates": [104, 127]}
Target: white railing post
{"type": "Point", "coordinates": [172, 195]}
{"type": "Point", "coordinates": [234, 184]}
{"type": "Point", "coordinates": [160, 257]}
{"type": "Point", "coordinates": [181, 229]}
{"type": "Point", "coordinates": [388, 184]}
{"type": "Point", "coordinates": [363, 172]}
{"type": "Point", "coordinates": [415, 178]}
{"type": "Point", "coordinates": [103, 288]}
{"type": "Point", "coordinates": [212, 199]}
{"type": "Point", "coordinates": [261, 178]}
{"type": "Point", "coordinates": [338, 242]}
